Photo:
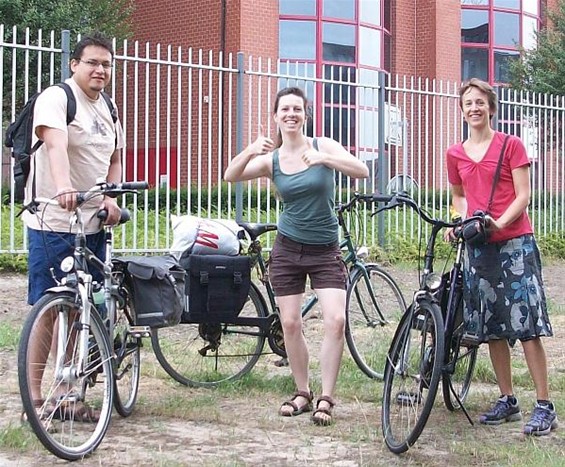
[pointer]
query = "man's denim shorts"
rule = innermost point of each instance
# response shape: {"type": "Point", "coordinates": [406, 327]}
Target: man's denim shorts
{"type": "Point", "coordinates": [47, 250]}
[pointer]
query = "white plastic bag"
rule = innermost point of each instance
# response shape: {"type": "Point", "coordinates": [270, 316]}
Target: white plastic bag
{"type": "Point", "coordinates": [205, 236]}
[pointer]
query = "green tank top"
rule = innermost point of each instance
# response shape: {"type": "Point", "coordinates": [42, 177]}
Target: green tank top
{"type": "Point", "coordinates": [308, 203]}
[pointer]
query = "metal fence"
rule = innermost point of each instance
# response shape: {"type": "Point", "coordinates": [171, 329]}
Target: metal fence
{"type": "Point", "coordinates": [187, 112]}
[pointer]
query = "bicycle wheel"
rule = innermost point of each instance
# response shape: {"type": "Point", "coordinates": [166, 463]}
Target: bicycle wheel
{"type": "Point", "coordinates": [68, 406]}
{"type": "Point", "coordinates": [207, 354]}
{"type": "Point", "coordinates": [412, 374]}
{"type": "Point", "coordinates": [374, 307]}
{"type": "Point", "coordinates": [128, 358]}
{"type": "Point", "coordinates": [460, 361]}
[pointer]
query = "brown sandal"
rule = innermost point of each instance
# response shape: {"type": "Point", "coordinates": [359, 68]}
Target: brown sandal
{"type": "Point", "coordinates": [47, 423]}
{"type": "Point", "coordinates": [323, 421]}
{"type": "Point", "coordinates": [309, 396]}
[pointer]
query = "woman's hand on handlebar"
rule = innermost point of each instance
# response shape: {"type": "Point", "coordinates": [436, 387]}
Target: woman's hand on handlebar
{"type": "Point", "coordinates": [449, 234]}
{"type": "Point", "coordinates": [491, 224]}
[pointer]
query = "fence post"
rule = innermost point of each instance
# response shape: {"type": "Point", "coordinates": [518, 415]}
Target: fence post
{"type": "Point", "coordinates": [239, 134]}
{"type": "Point", "coordinates": [382, 169]}
{"type": "Point", "coordinates": [66, 54]}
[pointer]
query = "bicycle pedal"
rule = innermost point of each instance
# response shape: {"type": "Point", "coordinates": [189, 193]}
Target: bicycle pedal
{"type": "Point", "coordinates": [470, 340]}
{"type": "Point", "coordinates": [408, 398]}
{"type": "Point", "coordinates": [282, 362]}
{"type": "Point", "coordinates": [140, 331]}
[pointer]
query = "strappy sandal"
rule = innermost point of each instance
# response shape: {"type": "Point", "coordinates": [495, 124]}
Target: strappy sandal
{"type": "Point", "coordinates": [37, 404]}
{"type": "Point", "coordinates": [47, 423]}
{"type": "Point", "coordinates": [328, 419]}
{"type": "Point", "coordinates": [309, 396]}
{"type": "Point", "coordinates": [76, 411]}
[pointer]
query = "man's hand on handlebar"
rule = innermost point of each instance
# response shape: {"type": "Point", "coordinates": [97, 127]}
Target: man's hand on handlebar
{"type": "Point", "coordinates": [67, 198]}
{"type": "Point", "coordinates": [114, 211]}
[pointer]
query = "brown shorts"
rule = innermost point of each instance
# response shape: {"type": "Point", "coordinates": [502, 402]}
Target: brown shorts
{"type": "Point", "coordinates": [291, 262]}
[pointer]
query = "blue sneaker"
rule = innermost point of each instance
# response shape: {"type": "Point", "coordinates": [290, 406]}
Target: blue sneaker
{"type": "Point", "coordinates": [502, 411]}
{"type": "Point", "coordinates": [542, 421]}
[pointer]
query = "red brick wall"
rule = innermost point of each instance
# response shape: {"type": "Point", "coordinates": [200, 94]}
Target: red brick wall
{"type": "Point", "coordinates": [251, 26]}
{"type": "Point", "coordinates": [403, 25]}
{"type": "Point", "coordinates": [188, 23]}
{"type": "Point", "coordinates": [426, 38]}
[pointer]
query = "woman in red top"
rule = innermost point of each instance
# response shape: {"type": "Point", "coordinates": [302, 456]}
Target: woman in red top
{"type": "Point", "coordinates": [503, 288]}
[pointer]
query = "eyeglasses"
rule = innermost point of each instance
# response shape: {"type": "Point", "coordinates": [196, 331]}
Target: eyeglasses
{"type": "Point", "coordinates": [95, 64]}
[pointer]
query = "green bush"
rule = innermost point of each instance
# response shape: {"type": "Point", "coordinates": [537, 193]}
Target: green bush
{"type": "Point", "coordinates": [552, 245]}
{"type": "Point", "coordinates": [178, 199]}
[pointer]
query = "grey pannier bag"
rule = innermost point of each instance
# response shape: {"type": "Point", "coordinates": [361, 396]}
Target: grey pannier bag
{"type": "Point", "coordinates": [158, 289]}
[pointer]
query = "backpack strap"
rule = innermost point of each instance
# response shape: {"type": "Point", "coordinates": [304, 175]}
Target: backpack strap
{"type": "Point", "coordinates": [71, 113]}
{"type": "Point", "coordinates": [71, 102]}
{"type": "Point", "coordinates": [113, 113]}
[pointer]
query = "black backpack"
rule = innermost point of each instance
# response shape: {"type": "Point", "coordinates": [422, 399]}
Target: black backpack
{"type": "Point", "coordinates": [19, 136]}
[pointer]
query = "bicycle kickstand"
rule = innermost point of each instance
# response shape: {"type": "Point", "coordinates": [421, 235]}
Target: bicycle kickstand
{"type": "Point", "coordinates": [461, 404]}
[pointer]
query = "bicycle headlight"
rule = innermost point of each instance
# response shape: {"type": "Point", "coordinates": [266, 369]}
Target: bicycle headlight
{"type": "Point", "coordinates": [68, 264]}
{"type": "Point", "coordinates": [433, 281]}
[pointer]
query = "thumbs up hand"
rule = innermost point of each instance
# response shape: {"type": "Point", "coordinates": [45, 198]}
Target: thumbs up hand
{"type": "Point", "coordinates": [311, 156]}
{"type": "Point", "coordinates": [263, 144]}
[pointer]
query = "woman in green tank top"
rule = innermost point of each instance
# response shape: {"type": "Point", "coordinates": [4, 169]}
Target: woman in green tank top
{"type": "Point", "coordinates": [303, 170]}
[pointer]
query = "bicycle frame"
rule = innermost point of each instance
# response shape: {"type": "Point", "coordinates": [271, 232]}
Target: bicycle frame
{"type": "Point", "coordinates": [80, 282]}
{"type": "Point", "coordinates": [430, 284]}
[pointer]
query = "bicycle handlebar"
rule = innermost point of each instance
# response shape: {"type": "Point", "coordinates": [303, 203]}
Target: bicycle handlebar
{"type": "Point", "coordinates": [125, 215]}
{"type": "Point", "coordinates": [103, 188]}
{"type": "Point", "coordinates": [362, 197]}
{"type": "Point", "coordinates": [398, 199]}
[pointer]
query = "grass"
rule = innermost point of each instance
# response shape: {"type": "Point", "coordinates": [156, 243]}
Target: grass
{"type": "Point", "coordinates": [18, 437]}
{"type": "Point", "coordinates": [9, 336]}
{"type": "Point", "coordinates": [447, 438]}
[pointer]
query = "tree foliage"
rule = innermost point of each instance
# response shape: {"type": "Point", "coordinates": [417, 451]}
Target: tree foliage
{"type": "Point", "coordinates": [543, 69]}
{"type": "Point", "coordinates": [31, 69]}
{"type": "Point", "coordinates": [112, 17]}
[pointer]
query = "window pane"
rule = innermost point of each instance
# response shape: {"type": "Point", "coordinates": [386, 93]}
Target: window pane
{"type": "Point", "coordinates": [531, 7]}
{"type": "Point", "coordinates": [474, 63]}
{"type": "Point", "coordinates": [297, 7]}
{"type": "Point", "coordinates": [502, 59]}
{"type": "Point", "coordinates": [529, 28]}
{"type": "Point", "coordinates": [370, 11]}
{"type": "Point", "coordinates": [339, 93]}
{"type": "Point", "coordinates": [296, 71]}
{"type": "Point", "coordinates": [297, 39]}
{"type": "Point", "coordinates": [367, 95]}
{"type": "Point", "coordinates": [474, 2]}
{"type": "Point", "coordinates": [339, 9]}
{"type": "Point", "coordinates": [386, 15]}
{"type": "Point", "coordinates": [506, 29]}
{"type": "Point", "coordinates": [369, 47]}
{"type": "Point", "coordinates": [339, 124]}
{"type": "Point", "coordinates": [474, 26]}
{"type": "Point", "coordinates": [511, 4]}
{"type": "Point", "coordinates": [338, 42]}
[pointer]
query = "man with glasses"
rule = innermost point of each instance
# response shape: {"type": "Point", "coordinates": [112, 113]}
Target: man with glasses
{"type": "Point", "coordinates": [72, 158]}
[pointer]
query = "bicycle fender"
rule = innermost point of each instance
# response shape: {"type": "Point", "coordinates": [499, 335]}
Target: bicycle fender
{"type": "Point", "coordinates": [62, 288]}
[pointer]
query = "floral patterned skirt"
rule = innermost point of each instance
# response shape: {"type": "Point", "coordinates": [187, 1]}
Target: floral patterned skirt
{"type": "Point", "coordinates": [503, 291]}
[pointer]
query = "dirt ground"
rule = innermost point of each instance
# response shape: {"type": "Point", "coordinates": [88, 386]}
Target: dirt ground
{"type": "Point", "coordinates": [245, 429]}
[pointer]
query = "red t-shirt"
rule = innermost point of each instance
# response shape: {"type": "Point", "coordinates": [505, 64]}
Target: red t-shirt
{"type": "Point", "coordinates": [477, 177]}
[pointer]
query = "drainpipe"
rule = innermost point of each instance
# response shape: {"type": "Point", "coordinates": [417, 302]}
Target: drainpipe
{"type": "Point", "coordinates": [223, 51]}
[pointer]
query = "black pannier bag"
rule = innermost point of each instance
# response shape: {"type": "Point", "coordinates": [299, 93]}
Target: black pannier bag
{"type": "Point", "coordinates": [217, 286]}
{"type": "Point", "coordinates": [158, 289]}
